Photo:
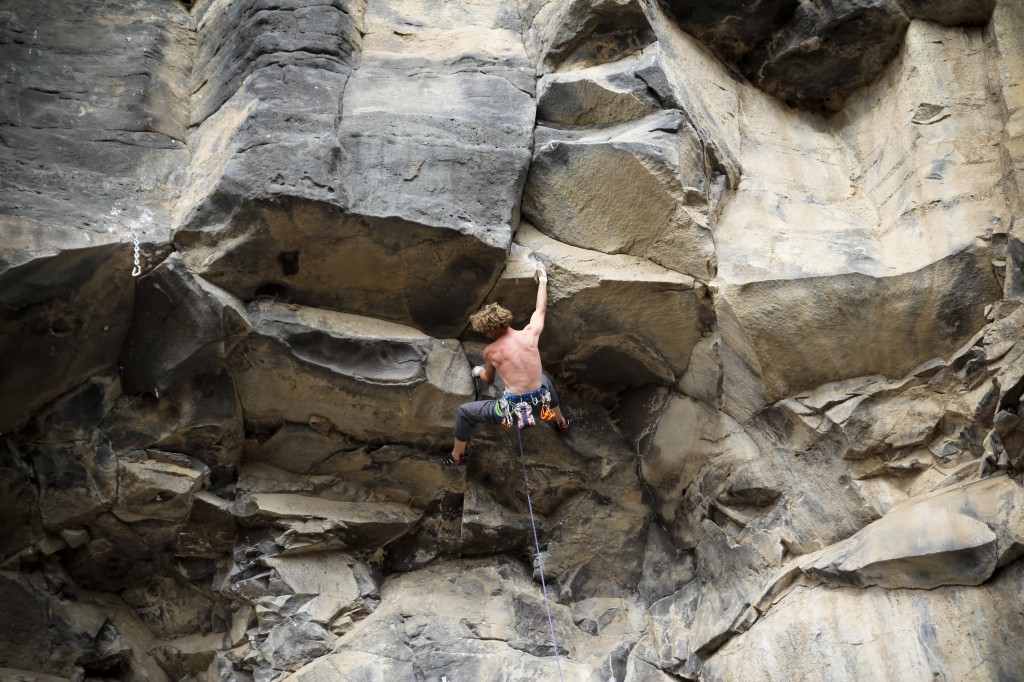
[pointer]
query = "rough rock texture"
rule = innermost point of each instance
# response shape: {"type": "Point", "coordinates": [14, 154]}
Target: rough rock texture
{"type": "Point", "coordinates": [851, 242]}
{"type": "Point", "coordinates": [812, 55]}
{"type": "Point", "coordinates": [923, 635]}
{"type": "Point", "coordinates": [786, 316]}
{"type": "Point", "coordinates": [425, 113]}
{"type": "Point", "coordinates": [638, 188]}
{"type": "Point", "coordinates": [362, 376]}
{"type": "Point", "coordinates": [617, 321]}
{"type": "Point", "coordinates": [93, 129]}
{"type": "Point", "coordinates": [969, 12]}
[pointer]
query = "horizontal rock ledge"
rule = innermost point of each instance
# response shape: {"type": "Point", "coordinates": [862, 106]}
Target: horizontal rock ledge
{"type": "Point", "coordinates": [366, 377]}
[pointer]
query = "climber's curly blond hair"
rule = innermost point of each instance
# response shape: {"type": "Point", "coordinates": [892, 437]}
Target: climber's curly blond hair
{"type": "Point", "coordinates": [491, 317]}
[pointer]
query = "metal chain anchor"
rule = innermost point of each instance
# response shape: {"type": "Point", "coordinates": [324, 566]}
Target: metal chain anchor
{"type": "Point", "coordinates": [137, 270]}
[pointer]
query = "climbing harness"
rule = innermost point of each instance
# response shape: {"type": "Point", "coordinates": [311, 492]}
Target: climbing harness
{"type": "Point", "coordinates": [137, 270]}
{"type": "Point", "coordinates": [533, 523]}
{"type": "Point", "coordinates": [519, 407]}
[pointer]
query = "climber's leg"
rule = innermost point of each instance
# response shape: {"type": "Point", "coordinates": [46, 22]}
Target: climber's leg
{"type": "Point", "coordinates": [469, 415]}
{"type": "Point", "coordinates": [561, 421]}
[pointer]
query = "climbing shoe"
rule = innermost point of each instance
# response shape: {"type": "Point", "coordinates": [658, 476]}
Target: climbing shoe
{"type": "Point", "coordinates": [451, 461]}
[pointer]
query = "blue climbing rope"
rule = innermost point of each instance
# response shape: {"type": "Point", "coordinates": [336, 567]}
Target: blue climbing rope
{"type": "Point", "coordinates": [536, 543]}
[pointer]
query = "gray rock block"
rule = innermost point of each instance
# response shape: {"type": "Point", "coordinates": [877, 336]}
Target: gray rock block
{"type": "Point", "coordinates": [621, 91]}
{"type": "Point", "coordinates": [79, 480]}
{"type": "Point", "coordinates": [569, 34]}
{"type": "Point", "coordinates": [181, 327]}
{"type": "Point", "coordinates": [638, 188]}
{"type": "Point", "coordinates": [844, 44]}
{"type": "Point", "coordinates": [810, 56]}
{"type": "Point", "coordinates": [317, 213]}
{"type": "Point", "coordinates": [235, 40]}
{"type": "Point", "coordinates": [63, 318]}
{"type": "Point", "coordinates": [959, 13]}
{"type": "Point", "coordinates": [730, 28]}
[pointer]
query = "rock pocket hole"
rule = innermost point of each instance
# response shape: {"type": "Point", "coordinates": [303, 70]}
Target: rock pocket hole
{"type": "Point", "coordinates": [289, 262]}
{"type": "Point", "coordinates": [272, 290]}
{"type": "Point", "coordinates": [64, 325]}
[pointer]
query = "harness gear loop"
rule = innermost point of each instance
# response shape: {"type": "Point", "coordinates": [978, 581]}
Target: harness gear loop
{"type": "Point", "coordinates": [504, 410]}
{"type": "Point", "coordinates": [519, 408]}
{"type": "Point", "coordinates": [540, 560]}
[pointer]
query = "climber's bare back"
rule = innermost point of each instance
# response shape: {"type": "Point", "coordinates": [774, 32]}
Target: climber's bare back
{"type": "Point", "coordinates": [516, 357]}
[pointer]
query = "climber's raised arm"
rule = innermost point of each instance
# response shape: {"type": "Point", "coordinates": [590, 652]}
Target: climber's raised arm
{"type": "Point", "coordinates": [536, 325]}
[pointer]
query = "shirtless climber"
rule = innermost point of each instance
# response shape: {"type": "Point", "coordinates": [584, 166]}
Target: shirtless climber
{"type": "Point", "coordinates": [515, 356]}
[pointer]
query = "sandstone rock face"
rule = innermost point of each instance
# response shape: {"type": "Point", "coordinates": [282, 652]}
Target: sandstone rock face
{"type": "Point", "coordinates": [917, 623]}
{"type": "Point", "coordinates": [785, 316]}
{"type": "Point", "coordinates": [360, 375]}
{"type": "Point", "coordinates": [828, 218]}
{"type": "Point", "coordinates": [360, 197]}
{"type": "Point", "coordinates": [643, 208]}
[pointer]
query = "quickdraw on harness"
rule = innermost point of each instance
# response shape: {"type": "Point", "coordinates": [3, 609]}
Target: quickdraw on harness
{"type": "Point", "coordinates": [519, 409]}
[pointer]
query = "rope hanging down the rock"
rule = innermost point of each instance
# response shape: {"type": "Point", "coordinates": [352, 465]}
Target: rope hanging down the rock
{"type": "Point", "coordinates": [536, 543]}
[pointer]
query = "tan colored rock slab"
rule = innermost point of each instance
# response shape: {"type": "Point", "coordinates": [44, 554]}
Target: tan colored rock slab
{"type": "Point", "coordinates": [327, 576]}
{"type": "Point", "coordinates": [367, 377]}
{"type": "Point", "coordinates": [956, 536]}
{"type": "Point", "coordinates": [153, 489]}
{"type": "Point", "coordinates": [637, 188]}
{"type": "Point", "coordinates": [362, 524]}
{"type": "Point", "coordinates": [952, 632]}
